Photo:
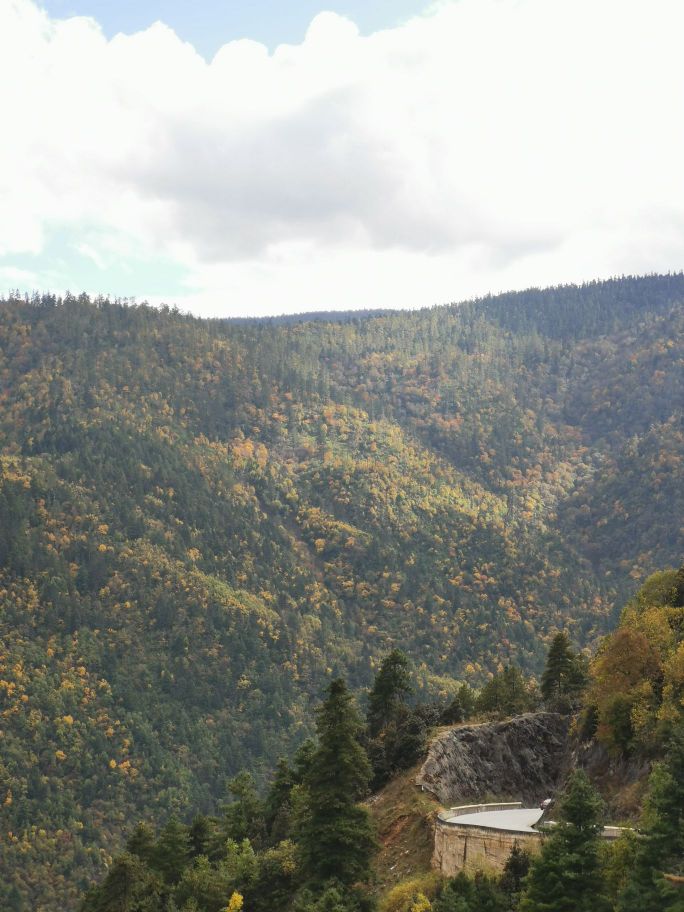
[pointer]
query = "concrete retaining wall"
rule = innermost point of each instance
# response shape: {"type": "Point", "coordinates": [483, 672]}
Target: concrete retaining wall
{"type": "Point", "coordinates": [460, 847]}
{"type": "Point", "coordinates": [473, 848]}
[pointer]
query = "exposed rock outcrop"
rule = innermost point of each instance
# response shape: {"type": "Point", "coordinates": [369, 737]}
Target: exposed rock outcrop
{"type": "Point", "coordinates": [520, 759]}
{"type": "Point", "coordinates": [622, 781]}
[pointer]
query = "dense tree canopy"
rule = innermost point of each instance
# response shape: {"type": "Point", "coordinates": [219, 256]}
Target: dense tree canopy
{"type": "Point", "coordinates": [202, 522]}
{"type": "Point", "coordinates": [567, 876]}
{"type": "Point", "coordinates": [637, 678]}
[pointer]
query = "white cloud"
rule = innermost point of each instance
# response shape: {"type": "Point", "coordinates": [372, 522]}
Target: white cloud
{"type": "Point", "coordinates": [490, 144]}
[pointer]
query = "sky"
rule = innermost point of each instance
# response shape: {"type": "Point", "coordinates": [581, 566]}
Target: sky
{"type": "Point", "coordinates": [258, 158]}
{"type": "Point", "coordinates": [209, 24]}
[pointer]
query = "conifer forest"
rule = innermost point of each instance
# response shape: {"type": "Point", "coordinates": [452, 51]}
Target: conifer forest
{"type": "Point", "coordinates": [237, 555]}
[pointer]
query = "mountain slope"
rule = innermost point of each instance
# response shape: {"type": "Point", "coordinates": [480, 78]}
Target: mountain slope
{"type": "Point", "coordinates": [201, 521]}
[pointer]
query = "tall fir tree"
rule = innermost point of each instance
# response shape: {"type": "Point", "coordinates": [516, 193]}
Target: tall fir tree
{"type": "Point", "coordinates": [128, 887]}
{"type": "Point", "coordinates": [566, 876]}
{"type": "Point", "coordinates": [557, 669]}
{"type": "Point", "coordinates": [301, 762]}
{"type": "Point", "coordinates": [514, 873]}
{"type": "Point", "coordinates": [507, 694]}
{"type": "Point", "coordinates": [172, 851]}
{"type": "Point", "coordinates": [564, 675]}
{"type": "Point", "coordinates": [390, 690]}
{"type": "Point", "coordinates": [660, 844]}
{"type": "Point", "coordinates": [461, 707]}
{"type": "Point", "coordinates": [141, 842]}
{"type": "Point", "coordinates": [201, 833]}
{"type": "Point", "coordinates": [244, 817]}
{"type": "Point", "coordinates": [278, 803]}
{"type": "Point", "coordinates": [336, 835]}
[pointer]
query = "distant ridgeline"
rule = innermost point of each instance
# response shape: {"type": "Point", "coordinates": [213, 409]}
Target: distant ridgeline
{"type": "Point", "coordinates": [201, 522]}
{"type": "Point", "coordinates": [317, 316]}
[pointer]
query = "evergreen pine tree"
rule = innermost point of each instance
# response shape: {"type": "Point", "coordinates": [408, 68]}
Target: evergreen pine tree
{"type": "Point", "coordinates": [566, 875]}
{"type": "Point", "coordinates": [336, 835]}
{"type": "Point", "coordinates": [128, 884]}
{"type": "Point", "coordinates": [172, 852]}
{"type": "Point", "coordinates": [390, 689]}
{"type": "Point", "coordinates": [15, 902]}
{"type": "Point", "coordinates": [301, 762]}
{"type": "Point", "coordinates": [506, 694]}
{"type": "Point", "coordinates": [278, 804]}
{"type": "Point", "coordinates": [564, 675]}
{"type": "Point", "coordinates": [141, 842]}
{"type": "Point", "coordinates": [557, 668]}
{"type": "Point", "coordinates": [487, 897]}
{"type": "Point", "coordinates": [201, 833]}
{"type": "Point", "coordinates": [516, 869]}
{"type": "Point", "coordinates": [461, 707]}
{"type": "Point", "coordinates": [244, 817]}
{"type": "Point", "coordinates": [660, 844]}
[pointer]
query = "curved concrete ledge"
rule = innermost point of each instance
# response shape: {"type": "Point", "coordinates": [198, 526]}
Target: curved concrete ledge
{"type": "Point", "coordinates": [464, 809]}
{"type": "Point", "coordinates": [480, 837]}
{"type": "Point", "coordinates": [504, 817]}
{"type": "Point", "coordinates": [472, 847]}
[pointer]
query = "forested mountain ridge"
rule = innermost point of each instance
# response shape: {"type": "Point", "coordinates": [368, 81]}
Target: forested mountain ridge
{"type": "Point", "coordinates": [200, 522]}
{"type": "Point", "coordinates": [307, 844]}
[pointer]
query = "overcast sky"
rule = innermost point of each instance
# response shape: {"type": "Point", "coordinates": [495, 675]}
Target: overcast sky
{"type": "Point", "coordinates": [389, 154]}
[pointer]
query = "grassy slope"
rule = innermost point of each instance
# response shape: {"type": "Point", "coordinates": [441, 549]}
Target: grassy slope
{"type": "Point", "coordinates": [404, 817]}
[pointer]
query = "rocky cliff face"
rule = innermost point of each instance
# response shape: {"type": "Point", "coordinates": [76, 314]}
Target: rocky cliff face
{"type": "Point", "coordinates": [522, 759]}
{"type": "Point", "coordinates": [622, 781]}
